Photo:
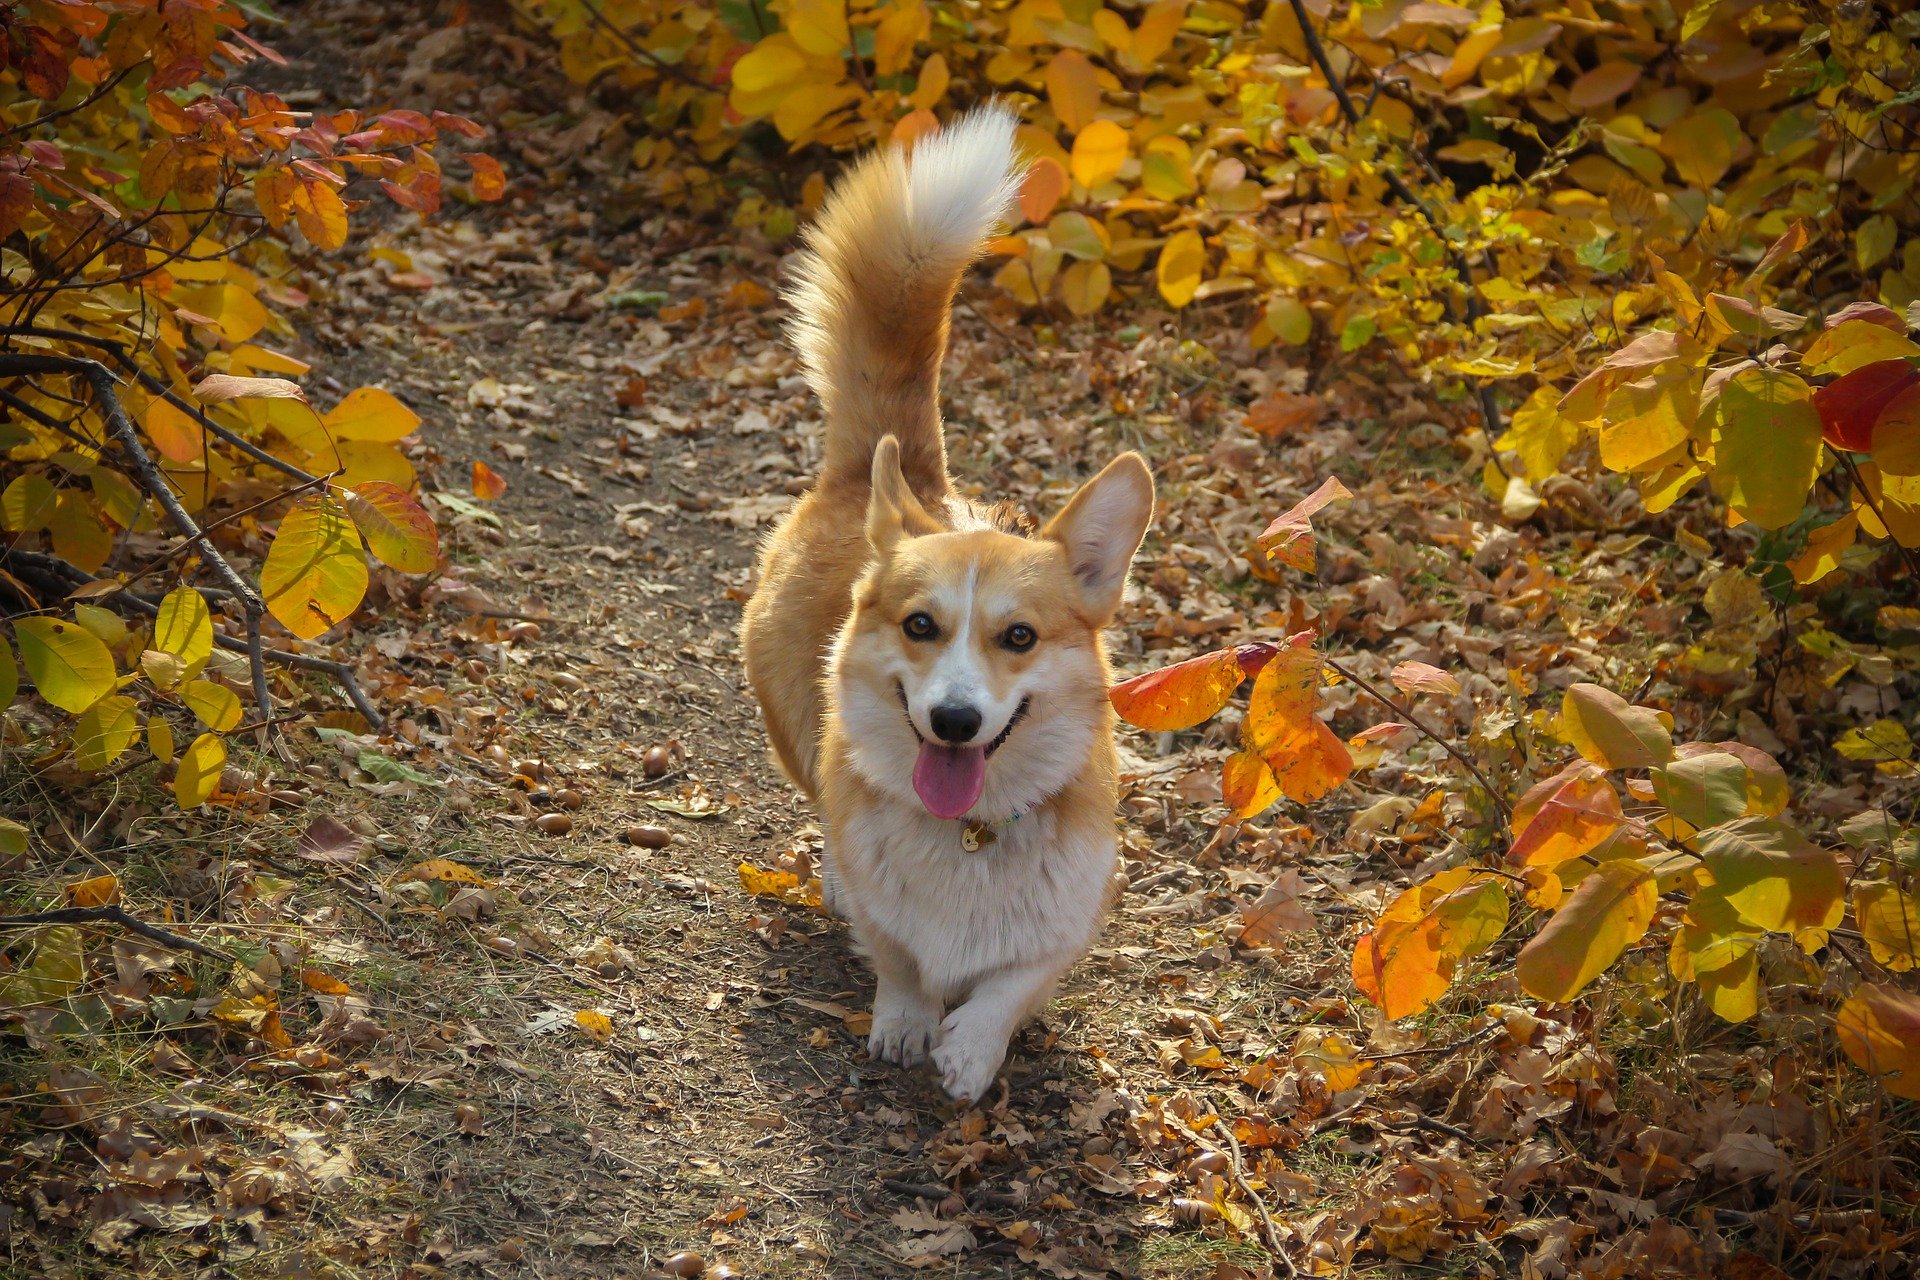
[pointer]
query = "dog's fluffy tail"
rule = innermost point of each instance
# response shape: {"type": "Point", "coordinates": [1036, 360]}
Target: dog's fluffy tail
{"type": "Point", "coordinates": [873, 289]}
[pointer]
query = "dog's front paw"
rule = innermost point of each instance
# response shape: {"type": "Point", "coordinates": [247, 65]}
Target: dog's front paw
{"type": "Point", "coordinates": [968, 1056]}
{"type": "Point", "coordinates": [902, 1032]}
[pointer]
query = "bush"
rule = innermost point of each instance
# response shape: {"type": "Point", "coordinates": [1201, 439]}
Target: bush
{"type": "Point", "coordinates": [152, 227]}
{"type": "Point", "coordinates": [1666, 209]}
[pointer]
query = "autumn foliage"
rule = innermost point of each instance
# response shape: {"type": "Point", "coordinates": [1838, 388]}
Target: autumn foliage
{"type": "Point", "coordinates": [1666, 240]}
{"type": "Point", "coordinates": [170, 497]}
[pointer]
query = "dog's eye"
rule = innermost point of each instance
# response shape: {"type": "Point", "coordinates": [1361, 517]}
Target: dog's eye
{"type": "Point", "coordinates": [1019, 637]}
{"type": "Point", "coordinates": [920, 626]}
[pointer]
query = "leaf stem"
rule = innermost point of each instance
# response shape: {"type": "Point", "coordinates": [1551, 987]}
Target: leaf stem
{"type": "Point", "coordinates": [1406, 713]}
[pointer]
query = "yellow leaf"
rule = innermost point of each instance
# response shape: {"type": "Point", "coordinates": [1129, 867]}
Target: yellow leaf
{"type": "Point", "coordinates": [1854, 344]}
{"type": "Point", "coordinates": [1879, 1027]}
{"type": "Point", "coordinates": [316, 571]}
{"type": "Point", "coordinates": [1606, 914]}
{"type": "Point", "coordinates": [103, 731]}
{"type": "Point", "coordinates": [321, 213]}
{"type": "Point", "coordinates": [1098, 152]}
{"type": "Point", "coordinates": [1182, 260]}
{"type": "Point", "coordinates": [217, 706]}
{"type": "Point", "coordinates": [28, 504]}
{"type": "Point", "coordinates": [1766, 445]}
{"type": "Point", "coordinates": [596, 1024]}
{"type": "Point", "coordinates": [1825, 546]}
{"type": "Point", "coordinates": [1611, 732]}
{"type": "Point", "coordinates": [199, 770]}
{"type": "Point", "coordinates": [397, 528]}
{"type": "Point", "coordinates": [99, 891]}
{"type": "Point", "coordinates": [443, 869]}
{"type": "Point", "coordinates": [232, 308]}
{"type": "Point", "coordinates": [1084, 287]}
{"type": "Point", "coordinates": [1073, 88]}
{"type": "Point", "coordinates": [69, 665]}
{"type": "Point", "coordinates": [819, 26]}
{"type": "Point", "coordinates": [184, 628]}
{"type": "Point", "coordinates": [159, 739]}
{"type": "Point", "coordinates": [932, 84]}
{"type": "Point", "coordinates": [371, 413]}
{"type": "Point", "coordinates": [1889, 919]}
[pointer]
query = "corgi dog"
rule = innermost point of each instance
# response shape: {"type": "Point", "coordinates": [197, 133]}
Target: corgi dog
{"type": "Point", "coordinates": [932, 676]}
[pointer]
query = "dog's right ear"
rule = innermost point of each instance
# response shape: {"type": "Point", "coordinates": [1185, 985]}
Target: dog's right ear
{"type": "Point", "coordinates": [893, 512]}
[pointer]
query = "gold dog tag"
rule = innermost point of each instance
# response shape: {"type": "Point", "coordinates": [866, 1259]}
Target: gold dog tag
{"type": "Point", "coordinates": [975, 835]}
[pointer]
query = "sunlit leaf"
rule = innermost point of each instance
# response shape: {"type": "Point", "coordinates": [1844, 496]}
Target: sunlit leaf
{"type": "Point", "coordinates": [371, 413]}
{"type": "Point", "coordinates": [315, 572]}
{"type": "Point", "coordinates": [198, 772]}
{"type": "Point", "coordinates": [68, 664]}
{"type": "Point", "coordinates": [1179, 696]}
{"type": "Point", "coordinates": [1611, 732]}
{"type": "Point", "coordinates": [1606, 914]}
{"type": "Point", "coordinates": [397, 528]}
{"type": "Point", "coordinates": [104, 731]}
{"type": "Point", "coordinates": [1774, 877]}
{"type": "Point", "coordinates": [184, 628]}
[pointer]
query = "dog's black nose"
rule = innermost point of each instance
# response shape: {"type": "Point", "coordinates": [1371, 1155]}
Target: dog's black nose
{"type": "Point", "coordinates": [955, 723]}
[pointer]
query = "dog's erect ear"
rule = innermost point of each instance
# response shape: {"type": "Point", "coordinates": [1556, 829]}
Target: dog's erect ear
{"type": "Point", "coordinates": [1101, 528]}
{"type": "Point", "coordinates": [893, 512]}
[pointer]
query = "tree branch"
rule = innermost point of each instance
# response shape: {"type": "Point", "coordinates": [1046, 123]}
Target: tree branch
{"type": "Point", "coordinates": [113, 915]}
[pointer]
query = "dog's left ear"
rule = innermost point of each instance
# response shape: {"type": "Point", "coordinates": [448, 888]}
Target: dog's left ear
{"type": "Point", "coordinates": [1101, 528]}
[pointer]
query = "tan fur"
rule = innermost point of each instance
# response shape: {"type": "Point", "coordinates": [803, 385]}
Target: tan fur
{"type": "Point", "coordinates": [965, 944]}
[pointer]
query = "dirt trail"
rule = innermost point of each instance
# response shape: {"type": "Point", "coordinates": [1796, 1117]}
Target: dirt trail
{"type": "Point", "coordinates": [732, 1111]}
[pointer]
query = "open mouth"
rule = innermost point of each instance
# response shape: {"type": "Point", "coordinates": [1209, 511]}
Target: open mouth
{"type": "Point", "coordinates": [950, 780]}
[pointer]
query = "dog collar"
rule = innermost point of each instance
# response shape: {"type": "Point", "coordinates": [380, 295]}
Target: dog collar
{"type": "Point", "coordinates": [978, 834]}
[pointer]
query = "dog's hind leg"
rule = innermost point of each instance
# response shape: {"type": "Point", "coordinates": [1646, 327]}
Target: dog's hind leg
{"type": "Point", "coordinates": [973, 1039]}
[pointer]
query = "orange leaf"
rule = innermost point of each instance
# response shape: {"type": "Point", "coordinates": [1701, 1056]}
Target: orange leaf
{"type": "Point", "coordinates": [325, 984]}
{"type": "Point", "coordinates": [96, 892]}
{"type": "Point", "coordinates": [1179, 696]}
{"type": "Point", "coordinates": [1247, 785]}
{"type": "Point", "coordinates": [1581, 813]}
{"type": "Point", "coordinates": [1282, 413]}
{"type": "Point", "coordinates": [1073, 88]}
{"type": "Point", "coordinates": [1045, 183]}
{"type": "Point", "coordinates": [1290, 539]}
{"type": "Point", "coordinates": [489, 180]}
{"type": "Point", "coordinates": [488, 484]}
{"type": "Point", "coordinates": [1311, 764]}
{"type": "Point", "coordinates": [1879, 1027]}
{"type": "Point", "coordinates": [915, 125]}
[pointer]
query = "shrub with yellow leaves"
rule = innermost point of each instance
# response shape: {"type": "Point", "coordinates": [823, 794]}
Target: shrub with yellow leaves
{"type": "Point", "coordinates": [1665, 208]}
{"type": "Point", "coordinates": [152, 221]}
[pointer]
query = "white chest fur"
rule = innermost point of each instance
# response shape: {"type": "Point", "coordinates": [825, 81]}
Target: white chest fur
{"type": "Point", "coordinates": [1031, 897]}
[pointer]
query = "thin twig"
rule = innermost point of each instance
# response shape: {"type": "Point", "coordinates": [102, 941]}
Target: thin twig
{"type": "Point", "coordinates": [1239, 1171]}
{"type": "Point", "coordinates": [112, 915]}
{"type": "Point", "coordinates": [1406, 713]}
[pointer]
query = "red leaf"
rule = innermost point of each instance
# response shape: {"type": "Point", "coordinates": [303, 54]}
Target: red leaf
{"type": "Point", "coordinates": [1850, 405]}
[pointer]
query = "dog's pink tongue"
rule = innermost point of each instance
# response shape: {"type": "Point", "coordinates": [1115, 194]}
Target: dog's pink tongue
{"type": "Point", "coordinates": [950, 779]}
